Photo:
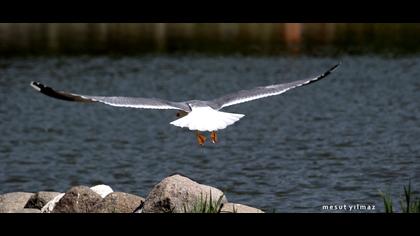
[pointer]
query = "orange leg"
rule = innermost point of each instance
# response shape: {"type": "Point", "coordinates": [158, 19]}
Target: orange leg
{"type": "Point", "coordinates": [201, 139]}
{"type": "Point", "coordinates": [213, 136]}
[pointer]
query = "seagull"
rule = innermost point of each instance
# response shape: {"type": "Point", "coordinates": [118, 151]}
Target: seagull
{"type": "Point", "coordinates": [196, 115]}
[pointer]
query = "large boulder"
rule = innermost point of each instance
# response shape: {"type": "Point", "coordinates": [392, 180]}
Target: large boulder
{"type": "Point", "coordinates": [102, 190]}
{"type": "Point", "coordinates": [11, 202]}
{"type": "Point", "coordinates": [40, 199]}
{"type": "Point", "coordinates": [28, 210]}
{"type": "Point", "coordinates": [179, 194]}
{"type": "Point", "coordinates": [238, 208]}
{"type": "Point", "coordinates": [79, 199]}
{"type": "Point", "coordinates": [118, 202]}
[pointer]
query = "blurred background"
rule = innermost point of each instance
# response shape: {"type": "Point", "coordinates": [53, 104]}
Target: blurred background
{"type": "Point", "coordinates": [246, 38]}
{"type": "Point", "coordinates": [339, 141]}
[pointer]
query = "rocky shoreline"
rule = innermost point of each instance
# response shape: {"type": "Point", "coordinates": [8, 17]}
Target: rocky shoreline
{"type": "Point", "coordinates": [174, 194]}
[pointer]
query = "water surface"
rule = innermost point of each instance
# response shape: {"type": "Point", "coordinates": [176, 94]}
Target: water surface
{"type": "Point", "coordinates": [337, 141]}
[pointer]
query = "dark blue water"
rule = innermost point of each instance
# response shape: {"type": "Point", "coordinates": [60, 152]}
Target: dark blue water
{"type": "Point", "coordinates": [338, 141]}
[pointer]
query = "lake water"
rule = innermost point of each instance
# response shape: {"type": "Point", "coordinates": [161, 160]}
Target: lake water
{"type": "Point", "coordinates": [335, 142]}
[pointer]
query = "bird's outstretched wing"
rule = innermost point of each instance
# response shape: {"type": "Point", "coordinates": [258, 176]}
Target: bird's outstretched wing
{"type": "Point", "coordinates": [262, 92]}
{"type": "Point", "coordinates": [133, 102]}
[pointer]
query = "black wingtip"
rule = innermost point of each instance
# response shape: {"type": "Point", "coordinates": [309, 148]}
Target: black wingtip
{"type": "Point", "coordinates": [58, 94]}
{"type": "Point", "coordinates": [325, 74]}
{"type": "Point", "coordinates": [330, 70]}
{"type": "Point", "coordinates": [335, 67]}
{"type": "Point", "coordinates": [36, 85]}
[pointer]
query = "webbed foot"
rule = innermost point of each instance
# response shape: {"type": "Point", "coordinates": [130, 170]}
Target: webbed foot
{"type": "Point", "coordinates": [213, 136]}
{"type": "Point", "coordinates": [201, 139]}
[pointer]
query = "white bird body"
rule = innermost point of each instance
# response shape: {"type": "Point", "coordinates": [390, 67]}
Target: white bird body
{"type": "Point", "coordinates": [206, 119]}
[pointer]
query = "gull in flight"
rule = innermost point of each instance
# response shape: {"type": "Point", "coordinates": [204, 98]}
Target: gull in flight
{"type": "Point", "coordinates": [195, 115]}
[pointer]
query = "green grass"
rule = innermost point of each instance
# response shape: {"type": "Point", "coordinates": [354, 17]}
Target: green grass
{"type": "Point", "coordinates": [409, 204]}
{"type": "Point", "coordinates": [412, 203]}
{"type": "Point", "coordinates": [387, 202]}
{"type": "Point", "coordinates": [206, 205]}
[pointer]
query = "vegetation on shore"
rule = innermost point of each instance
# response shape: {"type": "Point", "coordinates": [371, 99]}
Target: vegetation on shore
{"type": "Point", "coordinates": [206, 205]}
{"type": "Point", "coordinates": [409, 203]}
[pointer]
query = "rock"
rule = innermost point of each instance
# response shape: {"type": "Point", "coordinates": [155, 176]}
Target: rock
{"type": "Point", "coordinates": [79, 199]}
{"type": "Point", "coordinates": [49, 207]}
{"type": "Point", "coordinates": [28, 210]}
{"type": "Point", "coordinates": [178, 194]}
{"type": "Point", "coordinates": [139, 209]}
{"type": "Point", "coordinates": [118, 202]}
{"type": "Point", "coordinates": [10, 202]}
{"type": "Point", "coordinates": [238, 208]}
{"type": "Point", "coordinates": [102, 190]}
{"type": "Point", "coordinates": [39, 199]}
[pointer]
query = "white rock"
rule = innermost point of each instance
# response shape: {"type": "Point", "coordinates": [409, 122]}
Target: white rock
{"type": "Point", "coordinates": [51, 204]}
{"type": "Point", "coordinates": [102, 190]}
{"type": "Point", "coordinates": [139, 210]}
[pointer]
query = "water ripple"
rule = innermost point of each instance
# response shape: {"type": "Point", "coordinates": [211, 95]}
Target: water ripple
{"type": "Point", "coordinates": [338, 141]}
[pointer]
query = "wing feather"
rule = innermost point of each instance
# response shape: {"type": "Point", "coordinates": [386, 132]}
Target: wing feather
{"type": "Point", "coordinates": [132, 102]}
{"type": "Point", "coordinates": [265, 91]}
